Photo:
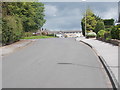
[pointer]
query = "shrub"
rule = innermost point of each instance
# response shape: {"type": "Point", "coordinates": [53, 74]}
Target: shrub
{"type": "Point", "coordinates": [108, 29]}
{"type": "Point", "coordinates": [91, 35]}
{"type": "Point", "coordinates": [108, 22]}
{"type": "Point", "coordinates": [107, 35]}
{"type": "Point", "coordinates": [50, 35]}
{"type": "Point", "coordinates": [11, 29]}
{"type": "Point", "coordinates": [44, 33]}
{"type": "Point", "coordinates": [101, 33]}
{"type": "Point", "coordinates": [115, 32]}
{"type": "Point", "coordinates": [99, 26]}
{"type": "Point", "coordinates": [28, 34]}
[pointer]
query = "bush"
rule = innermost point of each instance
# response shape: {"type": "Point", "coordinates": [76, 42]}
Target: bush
{"type": "Point", "coordinates": [107, 35]}
{"type": "Point", "coordinates": [108, 22]}
{"type": "Point", "coordinates": [50, 35]}
{"type": "Point", "coordinates": [28, 34]}
{"type": "Point", "coordinates": [11, 29]}
{"type": "Point", "coordinates": [108, 29]}
{"type": "Point", "coordinates": [44, 33]}
{"type": "Point", "coordinates": [99, 26]}
{"type": "Point", "coordinates": [115, 32]}
{"type": "Point", "coordinates": [101, 33]}
{"type": "Point", "coordinates": [91, 35]}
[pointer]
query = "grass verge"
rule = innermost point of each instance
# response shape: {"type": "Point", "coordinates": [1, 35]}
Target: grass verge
{"type": "Point", "coordinates": [38, 37]}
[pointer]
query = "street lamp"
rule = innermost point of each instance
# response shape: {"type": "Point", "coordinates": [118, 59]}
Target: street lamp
{"type": "Point", "coordinates": [85, 16]}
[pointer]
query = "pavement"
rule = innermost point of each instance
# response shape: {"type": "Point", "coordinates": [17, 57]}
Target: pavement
{"type": "Point", "coordinates": [12, 47]}
{"type": "Point", "coordinates": [54, 63]}
{"type": "Point", "coordinates": [109, 53]}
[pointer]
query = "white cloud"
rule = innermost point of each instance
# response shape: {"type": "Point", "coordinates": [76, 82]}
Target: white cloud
{"type": "Point", "coordinates": [110, 13]}
{"type": "Point", "coordinates": [50, 10]}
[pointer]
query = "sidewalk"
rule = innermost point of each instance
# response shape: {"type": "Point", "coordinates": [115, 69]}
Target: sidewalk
{"type": "Point", "coordinates": [109, 53]}
{"type": "Point", "coordinates": [11, 48]}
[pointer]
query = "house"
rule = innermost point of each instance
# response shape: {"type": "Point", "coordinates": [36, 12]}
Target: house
{"type": "Point", "coordinates": [69, 34]}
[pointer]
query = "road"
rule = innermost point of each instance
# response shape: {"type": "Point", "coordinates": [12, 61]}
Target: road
{"type": "Point", "coordinates": [54, 63]}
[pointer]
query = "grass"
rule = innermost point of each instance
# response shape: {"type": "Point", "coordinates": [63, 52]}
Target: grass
{"type": "Point", "coordinates": [38, 37]}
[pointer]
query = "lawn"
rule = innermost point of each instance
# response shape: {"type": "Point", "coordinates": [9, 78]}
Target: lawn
{"type": "Point", "coordinates": [38, 37]}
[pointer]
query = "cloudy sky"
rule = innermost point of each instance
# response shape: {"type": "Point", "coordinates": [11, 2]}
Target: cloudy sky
{"type": "Point", "coordinates": [68, 15]}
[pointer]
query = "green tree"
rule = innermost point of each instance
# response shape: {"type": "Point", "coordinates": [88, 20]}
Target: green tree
{"type": "Point", "coordinates": [28, 15]}
{"type": "Point", "coordinates": [90, 20]}
{"type": "Point", "coordinates": [99, 26]}
{"type": "Point", "coordinates": [32, 14]}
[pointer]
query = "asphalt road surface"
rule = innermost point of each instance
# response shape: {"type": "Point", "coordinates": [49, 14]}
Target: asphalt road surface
{"type": "Point", "coordinates": [54, 63]}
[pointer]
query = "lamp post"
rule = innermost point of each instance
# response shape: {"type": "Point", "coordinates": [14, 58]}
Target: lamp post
{"type": "Point", "coordinates": [85, 16]}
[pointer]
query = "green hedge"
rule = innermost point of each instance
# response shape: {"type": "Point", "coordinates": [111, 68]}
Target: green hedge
{"type": "Point", "coordinates": [115, 32]}
{"type": "Point", "coordinates": [108, 21]}
{"type": "Point", "coordinates": [11, 29]}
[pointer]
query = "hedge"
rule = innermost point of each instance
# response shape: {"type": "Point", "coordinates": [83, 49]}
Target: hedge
{"type": "Point", "coordinates": [115, 32]}
{"type": "Point", "coordinates": [11, 29]}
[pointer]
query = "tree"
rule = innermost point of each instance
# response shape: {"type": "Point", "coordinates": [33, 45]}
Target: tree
{"type": "Point", "coordinates": [91, 21]}
{"type": "Point", "coordinates": [31, 13]}
{"type": "Point", "coordinates": [20, 16]}
{"type": "Point", "coordinates": [99, 26]}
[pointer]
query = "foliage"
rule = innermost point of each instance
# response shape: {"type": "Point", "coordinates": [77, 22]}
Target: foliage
{"type": "Point", "coordinates": [107, 35]}
{"type": "Point", "coordinates": [12, 29]}
{"type": "Point", "coordinates": [91, 34]}
{"type": "Point", "coordinates": [99, 26]}
{"type": "Point", "coordinates": [37, 37]}
{"type": "Point", "coordinates": [89, 20]}
{"type": "Point", "coordinates": [101, 33]}
{"type": "Point", "coordinates": [115, 32]}
{"type": "Point", "coordinates": [50, 35]}
{"type": "Point", "coordinates": [32, 13]}
{"type": "Point", "coordinates": [108, 22]}
{"type": "Point", "coordinates": [83, 27]}
{"type": "Point", "coordinates": [108, 29]}
{"type": "Point", "coordinates": [28, 15]}
{"type": "Point", "coordinates": [27, 34]}
{"type": "Point", "coordinates": [44, 33]}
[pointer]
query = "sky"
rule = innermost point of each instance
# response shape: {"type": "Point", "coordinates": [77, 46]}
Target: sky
{"type": "Point", "coordinates": [68, 15]}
